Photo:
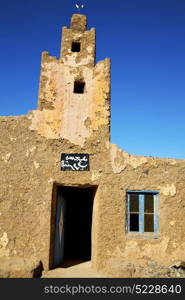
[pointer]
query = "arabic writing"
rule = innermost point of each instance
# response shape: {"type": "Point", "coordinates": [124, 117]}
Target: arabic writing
{"type": "Point", "coordinates": [75, 162]}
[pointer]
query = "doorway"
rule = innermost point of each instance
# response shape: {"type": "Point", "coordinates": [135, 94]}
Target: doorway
{"type": "Point", "coordinates": [73, 223]}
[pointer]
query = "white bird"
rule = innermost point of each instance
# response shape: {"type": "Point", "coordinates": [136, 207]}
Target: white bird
{"type": "Point", "coordinates": [79, 6]}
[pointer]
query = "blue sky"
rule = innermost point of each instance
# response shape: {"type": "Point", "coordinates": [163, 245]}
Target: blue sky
{"type": "Point", "coordinates": [145, 40]}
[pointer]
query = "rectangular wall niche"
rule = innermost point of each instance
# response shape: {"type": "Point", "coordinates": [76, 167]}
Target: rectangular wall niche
{"type": "Point", "coordinates": [75, 162]}
{"type": "Point", "coordinates": [79, 87]}
{"type": "Point", "coordinates": [75, 47]}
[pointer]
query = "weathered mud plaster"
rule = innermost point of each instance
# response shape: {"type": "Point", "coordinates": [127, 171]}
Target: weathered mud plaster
{"type": "Point", "coordinates": [64, 114]}
{"type": "Point", "coordinates": [66, 122]}
{"type": "Point", "coordinates": [3, 245]}
{"type": "Point", "coordinates": [120, 159]}
{"type": "Point", "coordinates": [168, 190]}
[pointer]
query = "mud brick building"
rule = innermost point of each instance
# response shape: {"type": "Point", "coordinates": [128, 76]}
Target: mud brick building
{"type": "Point", "coordinates": [67, 193]}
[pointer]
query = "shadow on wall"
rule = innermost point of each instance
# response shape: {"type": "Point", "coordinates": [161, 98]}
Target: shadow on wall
{"type": "Point", "coordinates": [37, 272]}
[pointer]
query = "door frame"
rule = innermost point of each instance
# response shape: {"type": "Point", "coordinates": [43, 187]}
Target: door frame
{"type": "Point", "coordinates": [53, 218]}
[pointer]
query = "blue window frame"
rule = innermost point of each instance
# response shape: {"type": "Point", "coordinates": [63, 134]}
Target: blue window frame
{"type": "Point", "coordinates": [142, 211]}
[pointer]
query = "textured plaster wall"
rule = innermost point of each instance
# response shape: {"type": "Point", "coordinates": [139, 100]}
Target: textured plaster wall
{"type": "Point", "coordinates": [61, 112]}
{"type": "Point", "coordinates": [30, 165]}
{"type": "Point", "coordinates": [87, 40]}
{"type": "Point", "coordinates": [142, 173]}
{"type": "Point", "coordinates": [64, 114]}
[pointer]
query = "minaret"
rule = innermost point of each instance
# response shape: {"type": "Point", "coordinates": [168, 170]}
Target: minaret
{"type": "Point", "coordinates": [78, 43]}
{"type": "Point", "coordinates": [74, 93]}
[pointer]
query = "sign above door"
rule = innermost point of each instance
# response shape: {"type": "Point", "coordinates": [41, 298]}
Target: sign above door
{"type": "Point", "coordinates": [74, 162]}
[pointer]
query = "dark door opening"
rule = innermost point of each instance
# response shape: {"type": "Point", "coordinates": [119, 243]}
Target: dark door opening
{"type": "Point", "coordinates": [73, 222]}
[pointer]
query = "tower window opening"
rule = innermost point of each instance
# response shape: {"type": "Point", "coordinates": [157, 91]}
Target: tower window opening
{"type": "Point", "coordinates": [75, 47]}
{"type": "Point", "coordinates": [79, 87]}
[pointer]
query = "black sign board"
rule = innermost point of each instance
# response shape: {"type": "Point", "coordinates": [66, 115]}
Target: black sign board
{"type": "Point", "coordinates": [74, 162]}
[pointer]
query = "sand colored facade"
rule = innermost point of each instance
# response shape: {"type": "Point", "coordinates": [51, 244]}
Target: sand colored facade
{"type": "Point", "coordinates": [73, 117]}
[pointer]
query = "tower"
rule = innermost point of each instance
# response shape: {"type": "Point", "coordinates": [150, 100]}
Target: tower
{"type": "Point", "coordinates": [74, 93]}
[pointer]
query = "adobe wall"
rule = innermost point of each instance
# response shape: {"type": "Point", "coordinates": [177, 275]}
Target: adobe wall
{"type": "Point", "coordinates": [30, 165]}
{"type": "Point", "coordinates": [31, 148]}
{"type": "Point", "coordinates": [119, 253]}
{"type": "Point", "coordinates": [63, 114]}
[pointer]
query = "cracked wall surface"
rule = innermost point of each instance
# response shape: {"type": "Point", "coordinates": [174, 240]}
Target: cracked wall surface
{"type": "Point", "coordinates": [62, 113]}
{"type": "Point", "coordinates": [27, 179]}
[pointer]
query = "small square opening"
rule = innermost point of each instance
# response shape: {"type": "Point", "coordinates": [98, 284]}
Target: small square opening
{"type": "Point", "coordinates": [75, 47]}
{"type": "Point", "coordinates": [79, 87]}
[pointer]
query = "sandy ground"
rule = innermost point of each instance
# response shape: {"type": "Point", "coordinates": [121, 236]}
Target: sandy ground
{"type": "Point", "coordinates": [82, 270]}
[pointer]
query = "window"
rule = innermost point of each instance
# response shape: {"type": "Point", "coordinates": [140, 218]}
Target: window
{"type": "Point", "coordinates": [75, 47]}
{"type": "Point", "coordinates": [79, 87]}
{"type": "Point", "coordinates": [142, 211]}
